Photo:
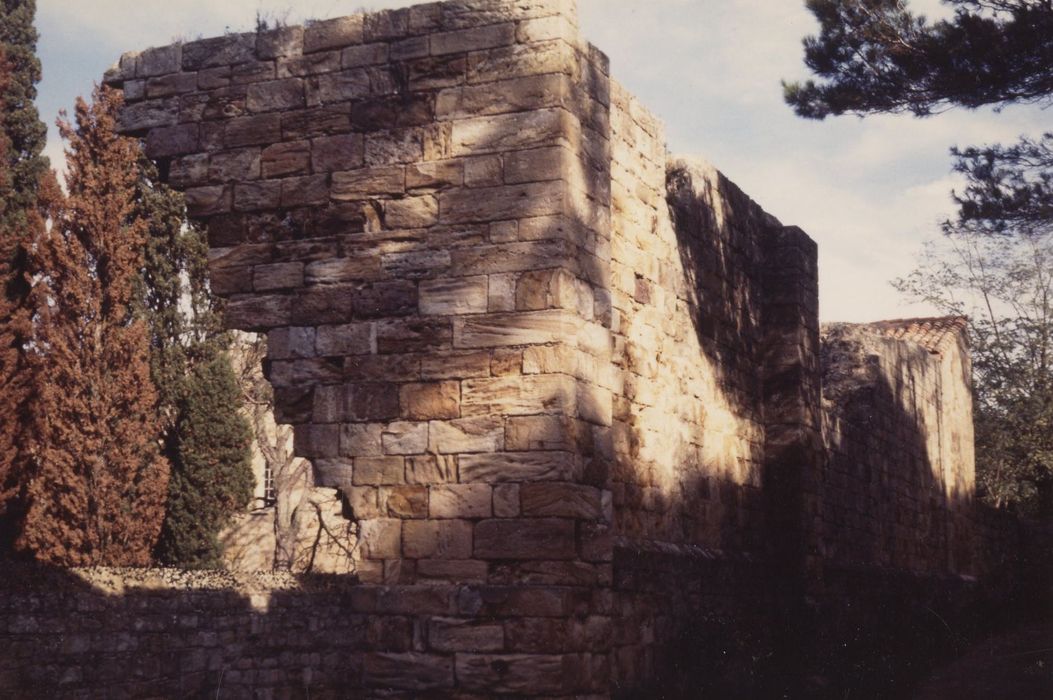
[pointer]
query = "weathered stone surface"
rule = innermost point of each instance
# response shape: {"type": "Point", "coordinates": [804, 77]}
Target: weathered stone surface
{"type": "Point", "coordinates": [337, 153]}
{"type": "Point", "coordinates": [498, 330]}
{"type": "Point", "coordinates": [386, 300]}
{"type": "Point", "coordinates": [311, 64]}
{"type": "Point", "coordinates": [332, 33]}
{"type": "Point", "coordinates": [276, 95]}
{"type": "Point", "coordinates": [454, 634]}
{"type": "Point", "coordinates": [311, 190]}
{"type": "Point", "coordinates": [525, 539]}
{"type": "Point", "coordinates": [514, 673]}
{"type": "Point", "coordinates": [434, 174]}
{"type": "Point", "coordinates": [437, 539]}
{"type": "Point", "coordinates": [278, 276]}
{"type": "Point", "coordinates": [206, 201]}
{"type": "Point", "coordinates": [483, 171]}
{"type": "Point", "coordinates": [389, 113]}
{"type": "Point", "coordinates": [475, 39]}
{"type": "Point", "coordinates": [172, 141]}
{"type": "Point", "coordinates": [454, 296]}
{"type": "Point", "coordinates": [506, 501]}
{"type": "Point", "coordinates": [454, 570]}
{"type": "Point", "coordinates": [289, 158]}
{"type": "Point", "coordinates": [512, 467]}
{"type": "Point", "coordinates": [404, 438]}
{"type": "Point", "coordinates": [279, 42]}
{"type": "Point", "coordinates": [257, 130]}
{"type": "Point", "coordinates": [436, 71]}
{"type": "Point", "coordinates": [330, 88]}
{"type": "Point", "coordinates": [407, 502]}
{"type": "Point", "coordinates": [235, 166]}
{"type": "Point", "coordinates": [509, 132]}
{"type": "Point", "coordinates": [502, 97]}
{"type": "Point", "coordinates": [258, 313]}
{"type": "Point", "coordinates": [343, 270]}
{"type": "Point", "coordinates": [468, 435]}
{"type": "Point", "coordinates": [406, 145]}
{"type": "Point", "coordinates": [561, 500]}
{"type": "Point", "coordinates": [373, 401]}
{"type": "Point", "coordinates": [497, 203]}
{"type": "Point", "coordinates": [541, 433]}
{"type": "Point", "coordinates": [225, 50]}
{"type": "Point", "coordinates": [513, 396]}
{"type": "Point", "coordinates": [364, 55]}
{"type": "Point", "coordinates": [411, 212]}
{"type": "Point", "coordinates": [361, 440]}
{"type": "Point", "coordinates": [368, 183]}
{"type": "Point", "coordinates": [159, 61]}
{"type": "Point", "coordinates": [408, 671]}
{"type": "Point", "coordinates": [430, 401]}
{"type": "Point", "coordinates": [166, 85]}
{"type": "Point", "coordinates": [460, 501]}
{"type": "Point", "coordinates": [320, 121]}
{"type": "Point", "coordinates": [517, 60]}
{"type": "Point", "coordinates": [431, 469]}
{"type": "Point", "coordinates": [254, 196]}
{"type": "Point", "coordinates": [324, 305]}
{"type": "Point", "coordinates": [378, 471]}
{"type": "Point", "coordinates": [459, 365]}
{"type": "Point", "coordinates": [347, 339]}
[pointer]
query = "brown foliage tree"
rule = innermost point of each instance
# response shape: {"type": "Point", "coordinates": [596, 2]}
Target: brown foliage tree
{"type": "Point", "coordinates": [19, 229]}
{"type": "Point", "coordinates": [98, 489]}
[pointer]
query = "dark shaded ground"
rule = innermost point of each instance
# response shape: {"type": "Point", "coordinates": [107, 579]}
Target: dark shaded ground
{"type": "Point", "coordinates": [1017, 664]}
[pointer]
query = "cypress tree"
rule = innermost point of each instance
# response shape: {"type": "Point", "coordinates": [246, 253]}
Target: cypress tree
{"type": "Point", "coordinates": [211, 474]}
{"type": "Point", "coordinates": [205, 436]}
{"type": "Point", "coordinates": [25, 184]}
{"type": "Point", "coordinates": [20, 120]}
{"type": "Point", "coordinates": [97, 493]}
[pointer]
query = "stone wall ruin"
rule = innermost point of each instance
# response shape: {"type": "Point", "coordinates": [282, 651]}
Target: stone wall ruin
{"type": "Point", "coordinates": [569, 387]}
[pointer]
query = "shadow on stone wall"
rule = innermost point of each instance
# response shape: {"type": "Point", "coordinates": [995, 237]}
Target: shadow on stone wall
{"type": "Point", "coordinates": [889, 602]}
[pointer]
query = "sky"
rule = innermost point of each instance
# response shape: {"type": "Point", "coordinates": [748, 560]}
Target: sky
{"type": "Point", "coordinates": [869, 191]}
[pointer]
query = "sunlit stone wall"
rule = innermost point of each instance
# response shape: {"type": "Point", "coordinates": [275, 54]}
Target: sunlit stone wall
{"type": "Point", "coordinates": [900, 478]}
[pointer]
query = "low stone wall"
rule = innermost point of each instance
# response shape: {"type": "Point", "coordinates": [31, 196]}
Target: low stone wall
{"type": "Point", "coordinates": [164, 633]}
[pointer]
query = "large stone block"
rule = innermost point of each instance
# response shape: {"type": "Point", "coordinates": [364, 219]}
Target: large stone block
{"type": "Point", "coordinates": [464, 206]}
{"type": "Point", "coordinates": [368, 183]}
{"type": "Point", "coordinates": [431, 401]}
{"type": "Point", "coordinates": [516, 673]}
{"type": "Point", "coordinates": [460, 501]}
{"type": "Point", "coordinates": [454, 296]}
{"type": "Point", "coordinates": [220, 51]}
{"type": "Point", "coordinates": [333, 33]}
{"type": "Point", "coordinates": [501, 330]}
{"type": "Point", "coordinates": [276, 95]}
{"type": "Point", "coordinates": [458, 634]}
{"type": "Point", "coordinates": [408, 671]}
{"type": "Point", "coordinates": [381, 538]}
{"type": "Point", "coordinates": [538, 538]}
{"type": "Point", "coordinates": [561, 500]}
{"type": "Point", "coordinates": [405, 438]}
{"type": "Point", "coordinates": [503, 97]}
{"type": "Point", "coordinates": [519, 396]}
{"type": "Point", "coordinates": [515, 467]}
{"type": "Point", "coordinates": [507, 132]}
{"type": "Point", "coordinates": [468, 435]}
{"type": "Point", "coordinates": [437, 539]}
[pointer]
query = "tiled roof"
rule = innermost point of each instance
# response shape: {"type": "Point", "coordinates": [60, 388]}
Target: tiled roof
{"type": "Point", "coordinates": [934, 334]}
